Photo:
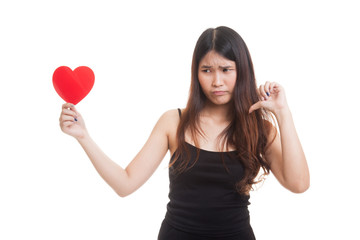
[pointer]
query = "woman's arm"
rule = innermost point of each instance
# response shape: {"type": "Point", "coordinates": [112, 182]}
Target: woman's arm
{"type": "Point", "coordinates": [286, 157]}
{"type": "Point", "coordinates": [123, 181]}
{"type": "Point", "coordinates": [285, 154]}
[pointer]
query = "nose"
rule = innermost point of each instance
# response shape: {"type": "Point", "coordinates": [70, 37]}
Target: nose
{"type": "Point", "coordinates": [217, 79]}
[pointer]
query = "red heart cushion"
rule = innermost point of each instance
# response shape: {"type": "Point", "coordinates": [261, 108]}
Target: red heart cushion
{"type": "Point", "coordinates": [73, 86]}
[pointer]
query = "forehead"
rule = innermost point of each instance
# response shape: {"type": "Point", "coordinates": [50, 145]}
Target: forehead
{"type": "Point", "coordinates": [212, 58]}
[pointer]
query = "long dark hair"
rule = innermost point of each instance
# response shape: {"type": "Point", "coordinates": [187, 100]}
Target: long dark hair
{"type": "Point", "coordinates": [248, 133]}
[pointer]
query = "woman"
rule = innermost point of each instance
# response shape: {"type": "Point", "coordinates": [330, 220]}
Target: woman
{"type": "Point", "coordinates": [218, 144]}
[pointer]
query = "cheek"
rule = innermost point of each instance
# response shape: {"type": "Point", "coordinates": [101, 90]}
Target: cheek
{"type": "Point", "coordinates": [231, 82]}
{"type": "Point", "coordinates": [203, 81]}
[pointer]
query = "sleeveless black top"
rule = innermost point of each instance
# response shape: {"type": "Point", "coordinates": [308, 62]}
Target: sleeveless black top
{"type": "Point", "coordinates": [203, 199]}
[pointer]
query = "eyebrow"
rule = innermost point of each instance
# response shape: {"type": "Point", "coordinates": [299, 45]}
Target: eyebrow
{"type": "Point", "coordinates": [205, 66]}
{"type": "Point", "coordinates": [227, 66]}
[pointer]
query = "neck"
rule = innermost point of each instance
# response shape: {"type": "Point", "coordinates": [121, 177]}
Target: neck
{"type": "Point", "coordinates": [218, 112]}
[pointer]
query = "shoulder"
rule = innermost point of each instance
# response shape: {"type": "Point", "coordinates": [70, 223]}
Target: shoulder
{"type": "Point", "coordinates": [169, 120]}
{"type": "Point", "coordinates": [170, 115]}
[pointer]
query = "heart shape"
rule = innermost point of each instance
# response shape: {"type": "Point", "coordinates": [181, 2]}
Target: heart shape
{"type": "Point", "coordinates": [73, 86]}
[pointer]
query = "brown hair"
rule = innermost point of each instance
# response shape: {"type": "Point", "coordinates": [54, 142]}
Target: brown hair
{"type": "Point", "coordinates": [248, 133]}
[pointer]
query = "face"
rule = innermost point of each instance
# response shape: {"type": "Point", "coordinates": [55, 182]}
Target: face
{"type": "Point", "coordinates": [217, 77]}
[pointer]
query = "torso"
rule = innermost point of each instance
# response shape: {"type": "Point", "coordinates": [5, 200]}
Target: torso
{"type": "Point", "coordinates": [203, 199]}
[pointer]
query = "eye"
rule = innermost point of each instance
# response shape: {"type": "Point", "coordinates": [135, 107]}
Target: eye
{"type": "Point", "coordinates": [206, 70]}
{"type": "Point", "coordinates": [226, 69]}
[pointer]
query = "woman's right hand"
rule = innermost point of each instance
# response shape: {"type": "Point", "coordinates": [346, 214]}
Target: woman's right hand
{"type": "Point", "coordinates": [71, 121]}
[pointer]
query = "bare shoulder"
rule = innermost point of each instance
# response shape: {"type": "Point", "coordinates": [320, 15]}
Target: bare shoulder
{"type": "Point", "coordinates": [169, 117]}
{"type": "Point", "coordinates": [170, 114]}
{"type": "Point", "coordinates": [169, 121]}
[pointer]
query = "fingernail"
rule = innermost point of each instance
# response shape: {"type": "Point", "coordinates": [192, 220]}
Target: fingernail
{"type": "Point", "coordinates": [268, 94]}
{"type": "Point", "coordinates": [75, 119]}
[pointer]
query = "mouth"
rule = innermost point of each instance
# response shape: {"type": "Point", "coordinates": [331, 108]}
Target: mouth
{"type": "Point", "coordinates": [219, 93]}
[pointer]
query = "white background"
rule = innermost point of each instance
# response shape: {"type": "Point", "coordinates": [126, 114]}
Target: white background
{"type": "Point", "coordinates": [141, 54]}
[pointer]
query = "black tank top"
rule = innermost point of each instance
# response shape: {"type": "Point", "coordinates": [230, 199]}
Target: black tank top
{"type": "Point", "coordinates": [203, 199]}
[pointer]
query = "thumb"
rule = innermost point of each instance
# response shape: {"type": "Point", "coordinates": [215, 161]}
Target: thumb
{"type": "Point", "coordinates": [255, 106]}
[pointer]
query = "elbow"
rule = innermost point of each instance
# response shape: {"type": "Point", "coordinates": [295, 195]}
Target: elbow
{"type": "Point", "coordinates": [300, 189]}
{"type": "Point", "coordinates": [123, 193]}
{"type": "Point", "coordinates": [125, 188]}
{"type": "Point", "coordinates": [297, 183]}
{"type": "Point", "coordinates": [300, 186]}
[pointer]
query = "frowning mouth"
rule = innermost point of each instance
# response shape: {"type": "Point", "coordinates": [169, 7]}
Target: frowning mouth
{"type": "Point", "coordinates": [219, 93]}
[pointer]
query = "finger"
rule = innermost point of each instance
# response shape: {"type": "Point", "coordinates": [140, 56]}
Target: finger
{"type": "Point", "coordinates": [271, 87]}
{"type": "Point", "coordinates": [71, 107]}
{"type": "Point", "coordinates": [267, 88]}
{"type": "Point", "coordinates": [65, 118]}
{"type": "Point", "coordinates": [255, 106]}
{"type": "Point", "coordinates": [69, 112]}
{"type": "Point", "coordinates": [259, 94]}
{"type": "Point", "coordinates": [262, 92]}
{"type": "Point", "coordinates": [75, 110]}
{"type": "Point", "coordinates": [77, 114]}
{"type": "Point", "coordinates": [276, 89]}
{"type": "Point", "coordinates": [67, 105]}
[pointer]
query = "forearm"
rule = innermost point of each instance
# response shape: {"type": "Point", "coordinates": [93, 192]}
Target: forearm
{"type": "Point", "coordinates": [294, 166]}
{"type": "Point", "coordinates": [112, 173]}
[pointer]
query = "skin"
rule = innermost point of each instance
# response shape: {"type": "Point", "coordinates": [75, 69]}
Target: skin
{"type": "Point", "coordinates": [217, 76]}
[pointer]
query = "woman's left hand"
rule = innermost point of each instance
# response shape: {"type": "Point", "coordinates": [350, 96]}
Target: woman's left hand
{"type": "Point", "coordinates": [272, 97]}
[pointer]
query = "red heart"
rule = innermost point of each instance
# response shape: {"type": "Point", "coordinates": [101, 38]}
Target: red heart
{"type": "Point", "coordinates": [73, 86]}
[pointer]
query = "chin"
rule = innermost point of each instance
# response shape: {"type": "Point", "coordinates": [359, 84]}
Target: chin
{"type": "Point", "coordinates": [221, 103]}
